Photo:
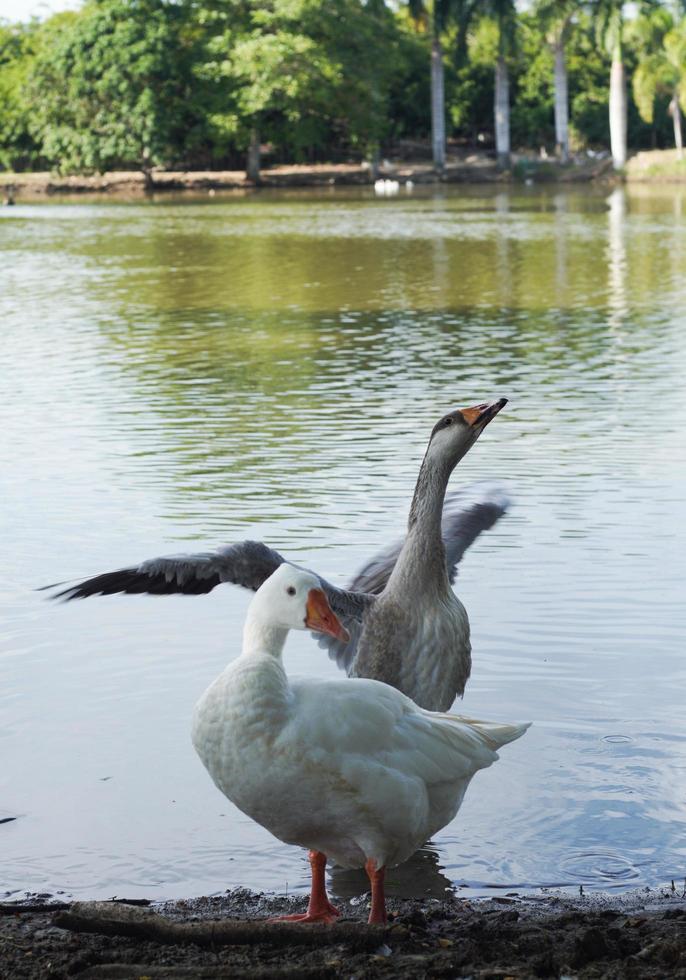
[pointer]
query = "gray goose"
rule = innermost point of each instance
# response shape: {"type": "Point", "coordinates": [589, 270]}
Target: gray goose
{"type": "Point", "coordinates": [407, 627]}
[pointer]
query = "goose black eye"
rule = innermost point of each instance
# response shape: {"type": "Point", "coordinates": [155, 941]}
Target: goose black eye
{"type": "Point", "coordinates": [447, 421]}
{"type": "Point", "coordinates": [290, 590]}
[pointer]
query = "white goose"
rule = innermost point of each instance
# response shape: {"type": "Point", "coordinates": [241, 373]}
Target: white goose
{"type": "Point", "coordinates": [350, 769]}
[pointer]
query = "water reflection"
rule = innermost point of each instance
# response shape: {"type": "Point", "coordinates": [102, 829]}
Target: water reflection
{"type": "Point", "coordinates": [617, 259]}
{"type": "Point", "coordinates": [271, 367]}
{"type": "Point", "coordinates": [561, 259]}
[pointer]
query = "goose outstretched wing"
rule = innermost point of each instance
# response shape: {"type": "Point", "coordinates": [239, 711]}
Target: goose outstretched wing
{"type": "Point", "coordinates": [247, 563]}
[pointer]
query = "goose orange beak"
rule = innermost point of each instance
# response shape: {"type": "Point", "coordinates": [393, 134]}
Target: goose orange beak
{"type": "Point", "coordinates": [321, 617]}
{"type": "Point", "coordinates": [478, 416]}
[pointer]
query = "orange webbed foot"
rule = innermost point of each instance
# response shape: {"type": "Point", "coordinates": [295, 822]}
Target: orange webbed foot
{"type": "Point", "coordinates": [326, 915]}
{"type": "Point", "coordinates": [320, 908]}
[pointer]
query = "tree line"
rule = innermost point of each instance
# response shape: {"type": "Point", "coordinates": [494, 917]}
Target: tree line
{"type": "Point", "coordinates": [197, 84]}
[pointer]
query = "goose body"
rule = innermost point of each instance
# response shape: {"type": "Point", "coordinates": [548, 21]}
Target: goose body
{"type": "Point", "coordinates": [406, 626]}
{"type": "Point", "coordinates": [427, 655]}
{"type": "Point", "coordinates": [353, 769]}
{"type": "Point", "coordinates": [350, 769]}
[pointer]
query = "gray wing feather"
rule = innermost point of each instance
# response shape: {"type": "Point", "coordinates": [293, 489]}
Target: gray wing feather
{"type": "Point", "coordinates": [248, 564]}
{"type": "Point", "coordinates": [465, 515]}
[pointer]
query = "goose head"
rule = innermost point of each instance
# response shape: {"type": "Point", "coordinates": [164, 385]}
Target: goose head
{"type": "Point", "coordinates": [293, 599]}
{"type": "Point", "coordinates": [456, 432]}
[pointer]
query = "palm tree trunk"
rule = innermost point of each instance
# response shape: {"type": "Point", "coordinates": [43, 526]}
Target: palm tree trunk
{"type": "Point", "coordinates": [437, 103]}
{"type": "Point", "coordinates": [502, 113]}
{"type": "Point", "coordinates": [561, 103]}
{"type": "Point", "coordinates": [253, 165]}
{"type": "Point", "coordinates": [618, 110]}
{"type": "Point", "coordinates": [675, 110]}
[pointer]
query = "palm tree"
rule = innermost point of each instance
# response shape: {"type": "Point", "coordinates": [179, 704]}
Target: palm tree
{"type": "Point", "coordinates": [661, 67]}
{"type": "Point", "coordinates": [675, 50]}
{"type": "Point", "coordinates": [610, 26]}
{"type": "Point", "coordinates": [557, 16]}
{"type": "Point", "coordinates": [439, 15]}
{"type": "Point", "coordinates": [504, 13]}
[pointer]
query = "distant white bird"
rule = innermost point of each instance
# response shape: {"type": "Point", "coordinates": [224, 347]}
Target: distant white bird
{"type": "Point", "coordinates": [386, 187]}
{"type": "Point", "coordinates": [349, 769]}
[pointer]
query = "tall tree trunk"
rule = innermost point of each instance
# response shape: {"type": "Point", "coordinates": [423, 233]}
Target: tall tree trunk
{"type": "Point", "coordinates": [618, 110]}
{"type": "Point", "coordinates": [253, 167]}
{"type": "Point", "coordinates": [561, 102]}
{"type": "Point", "coordinates": [502, 113]}
{"type": "Point", "coordinates": [148, 182]}
{"type": "Point", "coordinates": [675, 110]}
{"type": "Point", "coordinates": [437, 103]}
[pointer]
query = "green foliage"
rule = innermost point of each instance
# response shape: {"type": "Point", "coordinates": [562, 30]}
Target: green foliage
{"type": "Point", "coordinates": [470, 90]}
{"type": "Point", "coordinates": [18, 149]}
{"type": "Point", "coordinates": [409, 84]}
{"type": "Point", "coordinates": [306, 73]}
{"type": "Point", "coordinates": [660, 45]}
{"type": "Point", "coordinates": [532, 115]}
{"type": "Point", "coordinates": [532, 92]}
{"type": "Point", "coordinates": [608, 17]}
{"type": "Point", "coordinates": [504, 14]}
{"type": "Point", "coordinates": [111, 86]}
{"type": "Point", "coordinates": [531, 79]}
{"type": "Point", "coordinates": [588, 65]}
{"type": "Point", "coordinates": [143, 83]}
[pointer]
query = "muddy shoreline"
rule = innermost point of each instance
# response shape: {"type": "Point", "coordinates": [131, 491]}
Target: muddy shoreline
{"type": "Point", "coordinates": [472, 170]}
{"type": "Point", "coordinates": [638, 935]}
{"type": "Point", "coordinates": [655, 167]}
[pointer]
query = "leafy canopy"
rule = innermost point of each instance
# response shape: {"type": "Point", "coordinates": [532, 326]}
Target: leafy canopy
{"type": "Point", "coordinates": [111, 85]}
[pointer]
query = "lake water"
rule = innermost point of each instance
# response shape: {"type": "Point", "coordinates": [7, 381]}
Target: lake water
{"type": "Point", "coordinates": [178, 374]}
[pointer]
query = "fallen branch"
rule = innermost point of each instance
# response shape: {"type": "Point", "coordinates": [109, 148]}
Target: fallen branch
{"type": "Point", "coordinates": [126, 971]}
{"type": "Point", "coordinates": [12, 908]}
{"type": "Point", "coordinates": [108, 919]}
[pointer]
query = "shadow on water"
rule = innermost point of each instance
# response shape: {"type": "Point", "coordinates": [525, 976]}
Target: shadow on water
{"type": "Point", "coordinates": [420, 877]}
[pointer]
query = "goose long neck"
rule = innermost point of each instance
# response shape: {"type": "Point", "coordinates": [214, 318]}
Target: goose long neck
{"type": "Point", "coordinates": [257, 681]}
{"type": "Point", "coordinates": [262, 638]}
{"type": "Point", "coordinates": [422, 558]}
{"type": "Point", "coordinates": [426, 510]}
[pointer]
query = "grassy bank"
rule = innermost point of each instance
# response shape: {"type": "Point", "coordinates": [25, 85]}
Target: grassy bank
{"type": "Point", "coordinates": [656, 166]}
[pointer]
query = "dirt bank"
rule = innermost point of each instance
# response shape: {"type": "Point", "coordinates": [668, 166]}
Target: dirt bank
{"type": "Point", "coordinates": [642, 935]}
{"type": "Point", "coordinates": [472, 168]}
